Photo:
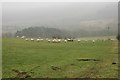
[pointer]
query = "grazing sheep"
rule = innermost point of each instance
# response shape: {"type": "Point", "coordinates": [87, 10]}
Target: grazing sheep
{"type": "Point", "coordinates": [79, 40]}
{"type": "Point", "coordinates": [26, 39]}
{"type": "Point", "coordinates": [32, 39]}
{"type": "Point", "coordinates": [69, 40]}
{"type": "Point", "coordinates": [112, 39]}
{"type": "Point", "coordinates": [17, 36]}
{"type": "Point", "coordinates": [38, 40]}
{"type": "Point", "coordinates": [56, 40]}
{"type": "Point", "coordinates": [93, 41]}
{"type": "Point", "coordinates": [41, 39]}
{"type": "Point", "coordinates": [65, 41]}
{"type": "Point", "coordinates": [49, 40]}
{"type": "Point", "coordinates": [59, 40]}
{"type": "Point", "coordinates": [23, 37]}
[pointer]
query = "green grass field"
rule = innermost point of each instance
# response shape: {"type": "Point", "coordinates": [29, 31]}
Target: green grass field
{"type": "Point", "coordinates": [36, 59]}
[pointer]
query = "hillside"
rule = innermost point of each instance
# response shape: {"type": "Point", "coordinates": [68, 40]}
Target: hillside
{"type": "Point", "coordinates": [55, 32]}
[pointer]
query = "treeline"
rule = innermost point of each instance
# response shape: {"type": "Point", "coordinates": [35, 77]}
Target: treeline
{"type": "Point", "coordinates": [43, 32]}
{"type": "Point", "coordinates": [54, 32]}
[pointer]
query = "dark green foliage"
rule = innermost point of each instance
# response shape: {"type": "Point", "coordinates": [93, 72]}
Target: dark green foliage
{"type": "Point", "coordinates": [41, 32]}
{"type": "Point", "coordinates": [59, 33]}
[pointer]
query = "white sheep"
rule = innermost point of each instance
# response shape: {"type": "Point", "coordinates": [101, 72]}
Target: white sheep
{"type": "Point", "coordinates": [26, 39]}
{"type": "Point", "coordinates": [41, 39]}
{"type": "Point", "coordinates": [93, 41]}
{"type": "Point", "coordinates": [49, 40]}
{"type": "Point", "coordinates": [23, 37]}
{"type": "Point", "coordinates": [59, 40]}
{"type": "Point", "coordinates": [54, 40]}
{"type": "Point", "coordinates": [65, 40]}
{"type": "Point", "coordinates": [79, 40]}
{"type": "Point", "coordinates": [32, 39]}
{"type": "Point", "coordinates": [112, 39]}
{"type": "Point", "coordinates": [68, 39]}
{"type": "Point", "coordinates": [38, 40]}
{"type": "Point", "coordinates": [17, 36]}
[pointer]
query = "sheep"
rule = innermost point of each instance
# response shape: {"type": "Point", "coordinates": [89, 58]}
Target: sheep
{"type": "Point", "coordinates": [69, 40]}
{"type": "Point", "coordinates": [17, 36]}
{"type": "Point", "coordinates": [49, 40]}
{"type": "Point", "coordinates": [112, 39]}
{"type": "Point", "coordinates": [38, 40]}
{"type": "Point", "coordinates": [23, 37]}
{"type": "Point", "coordinates": [26, 39]}
{"type": "Point", "coordinates": [93, 41]}
{"type": "Point", "coordinates": [56, 40]}
{"type": "Point", "coordinates": [79, 40]}
{"type": "Point", "coordinates": [32, 39]}
{"type": "Point", "coordinates": [65, 41]}
{"type": "Point", "coordinates": [53, 40]}
{"type": "Point", "coordinates": [41, 39]}
{"type": "Point", "coordinates": [59, 40]}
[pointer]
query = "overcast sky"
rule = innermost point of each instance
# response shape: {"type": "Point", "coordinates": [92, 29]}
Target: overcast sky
{"type": "Point", "coordinates": [60, 14]}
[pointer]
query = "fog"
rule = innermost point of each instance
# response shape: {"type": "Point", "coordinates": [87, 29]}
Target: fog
{"type": "Point", "coordinates": [63, 15]}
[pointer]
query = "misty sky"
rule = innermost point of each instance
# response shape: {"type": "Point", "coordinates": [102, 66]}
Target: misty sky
{"type": "Point", "coordinates": [68, 15]}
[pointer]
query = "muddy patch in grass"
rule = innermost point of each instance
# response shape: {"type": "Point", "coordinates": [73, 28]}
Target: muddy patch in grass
{"type": "Point", "coordinates": [87, 59]}
{"type": "Point", "coordinates": [56, 68]}
{"type": "Point", "coordinates": [21, 74]}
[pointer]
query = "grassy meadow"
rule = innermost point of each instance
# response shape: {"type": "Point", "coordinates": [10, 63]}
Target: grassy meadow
{"type": "Point", "coordinates": [36, 58]}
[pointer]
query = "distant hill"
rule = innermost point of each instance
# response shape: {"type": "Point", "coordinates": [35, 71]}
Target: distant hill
{"type": "Point", "coordinates": [42, 32]}
{"type": "Point", "coordinates": [54, 32]}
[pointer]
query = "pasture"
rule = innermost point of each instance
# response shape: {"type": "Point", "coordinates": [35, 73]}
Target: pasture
{"type": "Point", "coordinates": [39, 58]}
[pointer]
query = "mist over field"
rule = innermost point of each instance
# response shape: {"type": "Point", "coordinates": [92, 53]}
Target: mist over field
{"type": "Point", "coordinates": [88, 17]}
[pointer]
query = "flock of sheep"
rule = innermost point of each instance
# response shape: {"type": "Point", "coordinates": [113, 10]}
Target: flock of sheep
{"type": "Point", "coordinates": [55, 40]}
